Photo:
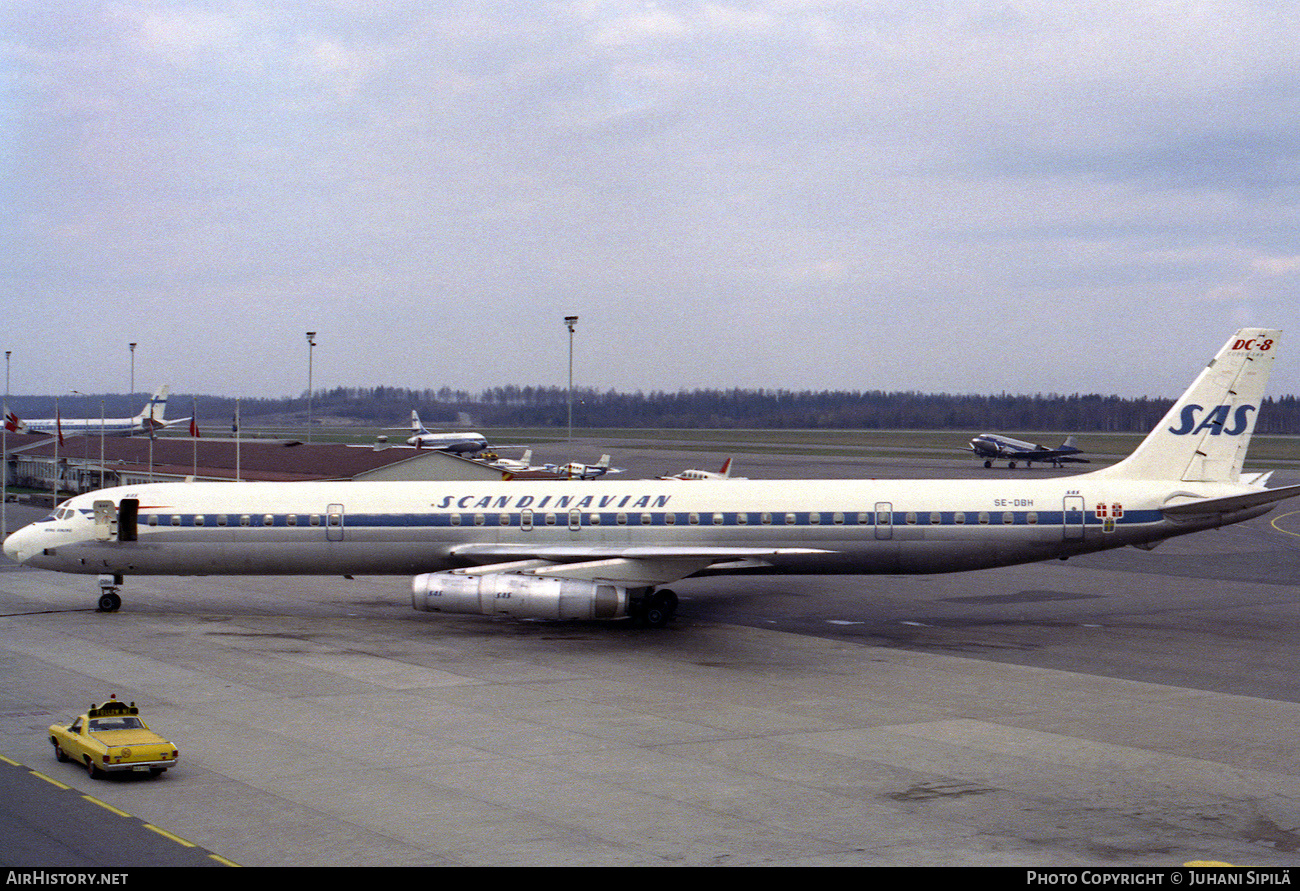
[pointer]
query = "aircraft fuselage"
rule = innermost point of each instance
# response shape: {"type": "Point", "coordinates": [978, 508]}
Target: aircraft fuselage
{"type": "Point", "coordinates": [843, 526]}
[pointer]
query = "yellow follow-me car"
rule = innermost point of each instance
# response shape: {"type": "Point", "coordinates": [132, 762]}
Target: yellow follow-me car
{"type": "Point", "coordinates": [111, 737]}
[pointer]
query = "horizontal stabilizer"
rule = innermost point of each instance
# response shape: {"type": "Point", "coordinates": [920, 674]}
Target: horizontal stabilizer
{"type": "Point", "coordinates": [1230, 503]}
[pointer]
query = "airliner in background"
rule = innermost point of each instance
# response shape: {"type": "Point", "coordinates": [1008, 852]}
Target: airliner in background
{"type": "Point", "coordinates": [150, 419]}
{"type": "Point", "coordinates": [574, 550]}
{"type": "Point", "coordinates": [421, 438]}
{"type": "Point", "coordinates": [994, 446]}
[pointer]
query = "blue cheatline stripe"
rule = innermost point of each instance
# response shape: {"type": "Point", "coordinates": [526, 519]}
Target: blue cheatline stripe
{"type": "Point", "coordinates": [463, 519]}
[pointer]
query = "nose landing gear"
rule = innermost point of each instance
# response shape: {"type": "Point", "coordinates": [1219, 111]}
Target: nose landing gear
{"type": "Point", "coordinates": [110, 601]}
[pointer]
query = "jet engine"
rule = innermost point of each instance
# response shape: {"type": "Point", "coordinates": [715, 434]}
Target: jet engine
{"type": "Point", "coordinates": [521, 596]}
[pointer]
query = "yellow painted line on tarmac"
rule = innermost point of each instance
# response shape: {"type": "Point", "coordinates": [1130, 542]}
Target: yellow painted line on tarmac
{"type": "Point", "coordinates": [1274, 524]}
{"type": "Point", "coordinates": [7, 761]}
{"type": "Point", "coordinates": [106, 806]}
{"type": "Point", "coordinates": [222, 860]}
{"type": "Point", "coordinates": [165, 834]}
{"type": "Point", "coordinates": [51, 780]}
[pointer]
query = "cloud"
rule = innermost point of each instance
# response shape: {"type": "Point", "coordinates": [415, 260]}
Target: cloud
{"type": "Point", "coordinates": [792, 193]}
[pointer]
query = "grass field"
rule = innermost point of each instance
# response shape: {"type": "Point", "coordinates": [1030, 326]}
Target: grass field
{"type": "Point", "coordinates": [1280, 451]}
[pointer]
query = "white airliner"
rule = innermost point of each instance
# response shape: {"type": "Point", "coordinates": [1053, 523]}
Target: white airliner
{"type": "Point", "coordinates": [444, 442]}
{"type": "Point", "coordinates": [572, 550]}
{"type": "Point", "coordinates": [149, 418]}
{"type": "Point", "coordinates": [722, 473]}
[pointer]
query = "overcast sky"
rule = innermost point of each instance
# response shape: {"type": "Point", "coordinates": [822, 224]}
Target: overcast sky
{"type": "Point", "coordinates": [961, 196]}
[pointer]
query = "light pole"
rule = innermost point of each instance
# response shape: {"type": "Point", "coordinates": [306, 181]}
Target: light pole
{"type": "Point", "coordinates": [133, 370]}
{"type": "Point", "coordinates": [571, 322]}
{"type": "Point", "coordinates": [311, 346]}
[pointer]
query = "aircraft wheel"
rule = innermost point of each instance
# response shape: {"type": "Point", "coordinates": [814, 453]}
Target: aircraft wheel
{"type": "Point", "coordinates": [1011, 465]}
{"type": "Point", "coordinates": [660, 608]}
{"type": "Point", "coordinates": [109, 602]}
{"type": "Point", "coordinates": [988, 463]}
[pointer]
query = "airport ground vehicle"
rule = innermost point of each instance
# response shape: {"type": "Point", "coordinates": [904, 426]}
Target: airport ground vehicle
{"type": "Point", "coordinates": [111, 738]}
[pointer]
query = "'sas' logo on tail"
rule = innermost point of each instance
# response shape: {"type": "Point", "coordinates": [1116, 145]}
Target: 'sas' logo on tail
{"type": "Point", "coordinates": [1215, 420]}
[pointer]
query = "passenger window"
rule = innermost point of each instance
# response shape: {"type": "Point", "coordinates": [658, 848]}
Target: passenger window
{"type": "Point", "coordinates": [455, 519]}
{"type": "Point", "coordinates": [315, 519]}
{"type": "Point", "coordinates": [176, 520]}
{"type": "Point", "coordinates": [815, 518]}
{"type": "Point", "coordinates": [291, 520]}
{"type": "Point", "coordinates": [959, 518]}
{"type": "Point", "coordinates": [935, 518]}
{"type": "Point", "coordinates": [245, 520]}
{"type": "Point", "coordinates": [838, 518]}
{"type": "Point", "coordinates": [984, 518]}
{"type": "Point", "coordinates": [790, 519]}
{"type": "Point", "coordinates": [670, 519]}
{"type": "Point", "coordinates": [646, 519]}
{"type": "Point", "coordinates": [1008, 517]}
{"type": "Point", "coordinates": [268, 520]}
{"type": "Point", "coordinates": [718, 519]}
{"type": "Point", "coordinates": [198, 520]}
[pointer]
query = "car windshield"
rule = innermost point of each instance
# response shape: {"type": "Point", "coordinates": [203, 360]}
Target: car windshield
{"type": "Point", "coordinates": [99, 725]}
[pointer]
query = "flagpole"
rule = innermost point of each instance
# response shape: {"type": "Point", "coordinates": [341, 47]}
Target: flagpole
{"type": "Point", "coordinates": [58, 429]}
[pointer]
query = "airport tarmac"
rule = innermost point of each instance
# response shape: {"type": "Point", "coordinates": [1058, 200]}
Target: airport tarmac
{"type": "Point", "coordinates": [1122, 709]}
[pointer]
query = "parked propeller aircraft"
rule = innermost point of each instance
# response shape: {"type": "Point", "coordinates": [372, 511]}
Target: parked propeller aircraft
{"type": "Point", "coordinates": [571, 550]}
{"type": "Point", "coordinates": [421, 438]}
{"type": "Point", "coordinates": [994, 446]}
{"type": "Point", "coordinates": [149, 419]}
{"type": "Point", "coordinates": [576, 470]}
{"type": "Point", "coordinates": [722, 473]}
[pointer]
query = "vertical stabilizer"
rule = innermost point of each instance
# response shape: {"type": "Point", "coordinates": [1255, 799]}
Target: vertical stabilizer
{"type": "Point", "coordinates": [1204, 436]}
{"type": "Point", "coordinates": [155, 410]}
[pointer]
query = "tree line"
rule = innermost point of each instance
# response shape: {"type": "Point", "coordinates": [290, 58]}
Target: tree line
{"type": "Point", "coordinates": [529, 406]}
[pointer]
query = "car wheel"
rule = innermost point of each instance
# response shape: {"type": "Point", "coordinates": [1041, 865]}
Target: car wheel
{"type": "Point", "coordinates": [59, 754]}
{"type": "Point", "coordinates": [94, 772]}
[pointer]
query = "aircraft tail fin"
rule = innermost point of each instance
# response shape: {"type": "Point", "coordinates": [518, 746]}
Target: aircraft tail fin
{"type": "Point", "coordinates": [725, 469]}
{"type": "Point", "coordinates": [1071, 442]}
{"type": "Point", "coordinates": [155, 410]}
{"type": "Point", "coordinates": [416, 426]}
{"type": "Point", "coordinates": [1205, 435]}
{"type": "Point", "coordinates": [603, 462]}
{"type": "Point", "coordinates": [526, 458]}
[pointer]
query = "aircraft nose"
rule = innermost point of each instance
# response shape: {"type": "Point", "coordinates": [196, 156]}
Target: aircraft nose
{"type": "Point", "coordinates": [14, 546]}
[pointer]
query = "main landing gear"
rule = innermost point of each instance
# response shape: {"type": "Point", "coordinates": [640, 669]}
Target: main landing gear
{"type": "Point", "coordinates": [110, 601]}
{"type": "Point", "coordinates": [655, 609]}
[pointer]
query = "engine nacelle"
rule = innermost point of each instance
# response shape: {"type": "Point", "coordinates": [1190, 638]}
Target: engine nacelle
{"type": "Point", "coordinates": [522, 596]}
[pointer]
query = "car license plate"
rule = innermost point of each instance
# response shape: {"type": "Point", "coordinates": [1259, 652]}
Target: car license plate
{"type": "Point", "coordinates": [140, 768]}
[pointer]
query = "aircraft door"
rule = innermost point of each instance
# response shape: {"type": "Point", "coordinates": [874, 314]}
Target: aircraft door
{"type": "Point", "coordinates": [105, 520]}
{"type": "Point", "coordinates": [128, 516]}
{"type": "Point", "coordinates": [334, 523]}
{"type": "Point", "coordinates": [884, 520]}
{"type": "Point", "coordinates": [1072, 518]}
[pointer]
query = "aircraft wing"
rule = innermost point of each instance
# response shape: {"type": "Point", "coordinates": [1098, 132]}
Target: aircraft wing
{"type": "Point", "coordinates": [633, 566]}
{"type": "Point", "coordinates": [1230, 503]}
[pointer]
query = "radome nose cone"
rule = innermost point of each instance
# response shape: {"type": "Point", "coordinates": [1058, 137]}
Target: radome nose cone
{"type": "Point", "coordinates": [13, 549]}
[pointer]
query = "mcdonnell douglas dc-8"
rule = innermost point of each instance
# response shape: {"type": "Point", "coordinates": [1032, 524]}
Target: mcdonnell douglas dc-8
{"type": "Point", "coordinates": [581, 550]}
